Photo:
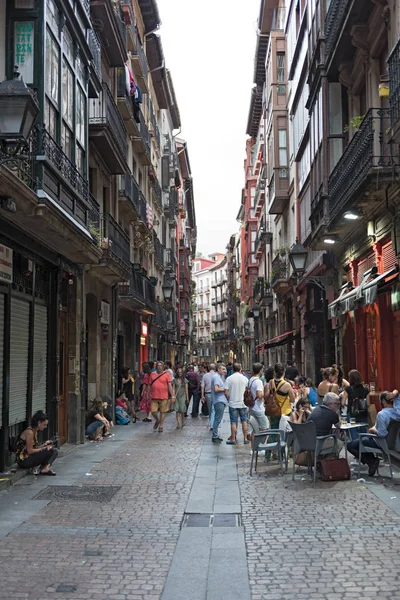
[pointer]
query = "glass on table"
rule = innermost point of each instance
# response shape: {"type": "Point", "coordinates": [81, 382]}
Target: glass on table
{"type": "Point", "coordinates": [352, 421]}
{"type": "Point", "coordinates": [343, 420]}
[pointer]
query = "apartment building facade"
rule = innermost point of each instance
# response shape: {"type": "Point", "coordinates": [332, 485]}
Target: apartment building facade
{"type": "Point", "coordinates": [203, 325]}
{"type": "Point", "coordinates": [89, 218]}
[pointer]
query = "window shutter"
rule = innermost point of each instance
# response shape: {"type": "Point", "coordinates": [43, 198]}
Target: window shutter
{"type": "Point", "coordinates": [19, 347]}
{"type": "Point", "coordinates": [165, 174]}
{"type": "Point", "coordinates": [388, 257]}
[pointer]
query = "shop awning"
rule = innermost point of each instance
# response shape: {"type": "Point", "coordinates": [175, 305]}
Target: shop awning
{"type": "Point", "coordinates": [363, 295]}
{"type": "Point", "coordinates": [279, 340]}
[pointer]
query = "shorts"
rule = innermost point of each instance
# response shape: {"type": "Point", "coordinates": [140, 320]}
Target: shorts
{"type": "Point", "coordinates": [235, 413]}
{"type": "Point", "coordinates": [159, 405]}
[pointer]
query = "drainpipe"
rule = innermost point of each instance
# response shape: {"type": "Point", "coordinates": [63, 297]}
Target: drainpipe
{"type": "Point", "coordinates": [162, 66]}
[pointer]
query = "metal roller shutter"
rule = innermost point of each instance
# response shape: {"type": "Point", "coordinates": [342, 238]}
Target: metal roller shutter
{"type": "Point", "coordinates": [19, 347]}
{"type": "Point", "coordinates": [39, 359]}
{"type": "Point", "coordinates": [1, 355]}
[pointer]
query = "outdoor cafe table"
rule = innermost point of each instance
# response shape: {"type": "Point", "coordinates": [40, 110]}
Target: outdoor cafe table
{"type": "Point", "coordinates": [346, 427]}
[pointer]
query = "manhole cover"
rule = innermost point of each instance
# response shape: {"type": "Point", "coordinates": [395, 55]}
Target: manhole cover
{"type": "Point", "coordinates": [86, 493]}
{"type": "Point", "coordinates": [211, 520]}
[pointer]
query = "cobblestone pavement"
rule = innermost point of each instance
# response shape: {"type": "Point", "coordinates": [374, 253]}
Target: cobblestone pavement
{"type": "Point", "coordinates": [134, 535]}
{"type": "Point", "coordinates": [303, 542]}
{"type": "Point", "coordinates": [326, 541]}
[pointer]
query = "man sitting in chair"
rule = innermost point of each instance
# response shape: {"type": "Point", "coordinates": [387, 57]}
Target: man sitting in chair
{"type": "Point", "coordinates": [383, 419]}
{"type": "Point", "coordinates": [326, 416]}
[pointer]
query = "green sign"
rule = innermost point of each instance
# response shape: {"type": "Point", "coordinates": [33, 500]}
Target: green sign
{"type": "Point", "coordinates": [23, 49]}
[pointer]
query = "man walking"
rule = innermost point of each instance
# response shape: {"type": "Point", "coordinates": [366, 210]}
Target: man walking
{"type": "Point", "coordinates": [161, 389]}
{"type": "Point", "coordinates": [220, 401]}
{"type": "Point", "coordinates": [206, 393]}
{"type": "Point", "coordinates": [236, 385]}
{"type": "Point", "coordinates": [194, 389]}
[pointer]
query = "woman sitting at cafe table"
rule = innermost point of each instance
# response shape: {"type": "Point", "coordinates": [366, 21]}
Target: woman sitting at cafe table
{"type": "Point", "coordinates": [28, 452]}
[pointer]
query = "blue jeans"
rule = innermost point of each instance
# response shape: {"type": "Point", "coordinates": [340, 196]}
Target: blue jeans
{"type": "Point", "coordinates": [210, 405]}
{"type": "Point", "coordinates": [219, 408]}
{"type": "Point", "coordinates": [93, 427]}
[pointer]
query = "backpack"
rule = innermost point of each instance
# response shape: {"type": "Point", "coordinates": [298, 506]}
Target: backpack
{"type": "Point", "coordinates": [273, 408]}
{"type": "Point", "coordinates": [248, 399]}
{"type": "Point", "coordinates": [121, 417]}
{"type": "Point", "coordinates": [358, 406]}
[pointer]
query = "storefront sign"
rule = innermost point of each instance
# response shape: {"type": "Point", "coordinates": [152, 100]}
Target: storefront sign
{"type": "Point", "coordinates": [105, 313]}
{"type": "Point", "coordinates": [23, 49]}
{"type": "Point", "coordinates": [145, 329]}
{"type": "Point", "coordinates": [6, 264]}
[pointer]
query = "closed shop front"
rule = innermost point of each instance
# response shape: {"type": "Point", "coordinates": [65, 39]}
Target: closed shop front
{"type": "Point", "coordinates": [24, 343]}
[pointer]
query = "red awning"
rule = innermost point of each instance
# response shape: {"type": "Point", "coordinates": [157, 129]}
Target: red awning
{"type": "Point", "coordinates": [279, 340]}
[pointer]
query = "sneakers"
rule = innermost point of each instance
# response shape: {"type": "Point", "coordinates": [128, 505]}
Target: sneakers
{"type": "Point", "coordinates": [231, 442]}
{"type": "Point", "coordinates": [216, 440]}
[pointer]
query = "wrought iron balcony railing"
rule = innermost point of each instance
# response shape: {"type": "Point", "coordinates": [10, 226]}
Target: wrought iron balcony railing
{"type": "Point", "coordinates": [94, 213]}
{"type": "Point", "coordinates": [158, 251]}
{"type": "Point", "coordinates": [394, 84]}
{"type": "Point", "coordinates": [368, 153]}
{"type": "Point", "coordinates": [170, 260]}
{"type": "Point", "coordinates": [144, 132]}
{"type": "Point", "coordinates": [280, 269]}
{"type": "Point", "coordinates": [153, 121]}
{"type": "Point", "coordinates": [117, 240]}
{"type": "Point", "coordinates": [128, 188]}
{"type": "Point", "coordinates": [140, 288]}
{"type": "Point", "coordinates": [104, 111]}
{"type": "Point", "coordinates": [157, 191]}
{"type": "Point", "coordinates": [337, 12]}
{"type": "Point", "coordinates": [142, 56]}
{"type": "Point", "coordinates": [95, 49]}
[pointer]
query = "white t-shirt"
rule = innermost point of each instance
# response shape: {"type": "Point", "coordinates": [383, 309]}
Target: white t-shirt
{"type": "Point", "coordinates": [236, 384]}
{"type": "Point", "coordinates": [255, 385]}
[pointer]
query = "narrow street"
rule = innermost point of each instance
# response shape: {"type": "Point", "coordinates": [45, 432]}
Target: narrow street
{"type": "Point", "coordinates": [145, 516]}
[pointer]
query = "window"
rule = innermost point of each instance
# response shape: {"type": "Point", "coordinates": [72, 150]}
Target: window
{"type": "Point", "coordinates": [280, 67]}
{"type": "Point", "coordinates": [52, 62]}
{"type": "Point", "coordinates": [282, 140]}
{"type": "Point", "coordinates": [51, 119]}
{"type": "Point", "coordinates": [53, 16]}
{"type": "Point", "coordinates": [68, 95]}
{"type": "Point", "coordinates": [68, 47]}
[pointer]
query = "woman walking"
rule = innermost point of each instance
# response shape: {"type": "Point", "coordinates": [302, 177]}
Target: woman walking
{"type": "Point", "coordinates": [145, 398]}
{"type": "Point", "coordinates": [181, 391]}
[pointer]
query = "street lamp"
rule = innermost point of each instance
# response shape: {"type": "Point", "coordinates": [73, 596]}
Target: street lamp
{"type": "Point", "coordinates": [246, 326]}
{"type": "Point", "coordinates": [298, 255]}
{"type": "Point", "coordinates": [167, 289]}
{"type": "Point", "coordinates": [18, 112]}
{"type": "Point", "coordinates": [256, 311]}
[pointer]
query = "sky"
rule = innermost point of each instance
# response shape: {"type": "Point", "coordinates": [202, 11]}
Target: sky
{"type": "Point", "coordinates": [209, 48]}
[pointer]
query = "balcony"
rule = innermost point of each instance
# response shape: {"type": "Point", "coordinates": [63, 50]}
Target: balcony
{"type": "Point", "coordinates": [161, 316]}
{"type": "Point", "coordinates": [366, 167]}
{"type": "Point", "coordinates": [141, 141]}
{"type": "Point", "coordinates": [95, 64]}
{"type": "Point", "coordinates": [394, 87]}
{"type": "Point", "coordinates": [129, 190]}
{"type": "Point", "coordinates": [170, 261]}
{"type": "Point", "coordinates": [125, 104]}
{"type": "Point", "coordinates": [278, 191]}
{"type": "Point", "coordinates": [259, 198]}
{"type": "Point", "coordinates": [264, 236]}
{"type": "Point", "coordinates": [129, 20]}
{"type": "Point", "coordinates": [107, 131]}
{"type": "Point", "coordinates": [138, 293]}
{"type": "Point", "coordinates": [112, 31]}
{"type": "Point", "coordinates": [262, 292]}
{"type": "Point", "coordinates": [206, 323]}
{"type": "Point", "coordinates": [335, 17]}
{"type": "Point", "coordinates": [156, 190]}
{"type": "Point", "coordinates": [214, 302]}
{"type": "Point", "coordinates": [115, 264]}
{"type": "Point", "coordinates": [155, 132]}
{"type": "Point", "coordinates": [140, 66]}
{"type": "Point", "coordinates": [219, 335]}
{"type": "Point", "coordinates": [158, 252]}
{"type": "Point", "coordinates": [280, 279]}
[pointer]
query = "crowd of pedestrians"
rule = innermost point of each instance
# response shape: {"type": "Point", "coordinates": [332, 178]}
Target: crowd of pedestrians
{"type": "Point", "coordinates": [278, 397]}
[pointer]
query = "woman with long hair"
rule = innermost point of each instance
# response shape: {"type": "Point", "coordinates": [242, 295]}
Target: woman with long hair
{"type": "Point", "coordinates": [28, 452]}
{"type": "Point", "coordinates": [145, 398]}
{"type": "Point", "coordinates": [181, 391]}
{"type": "Point", "coordinates": [284, 394]}
{"type": "Point", "coordinates": [128, 386]}
{"type": "Point", "coordinates": [95, 421]}
{"type": "Point", "coordinates": [328, 383]}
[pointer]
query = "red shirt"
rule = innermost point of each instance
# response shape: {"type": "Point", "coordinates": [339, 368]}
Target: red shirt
{"type": "Point", "coordinates": [159, 389]}
{"type": "Point", "coordinates": [121, 403]}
